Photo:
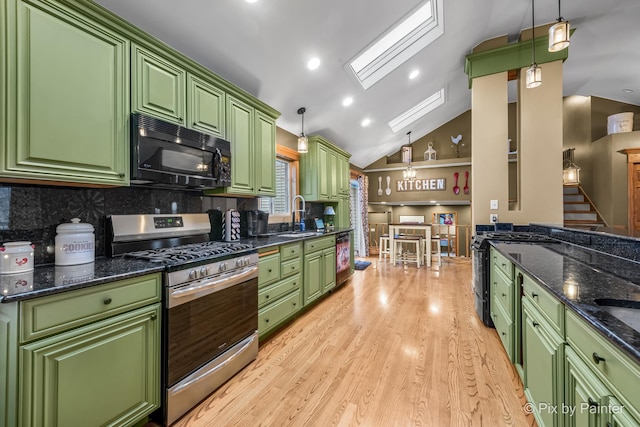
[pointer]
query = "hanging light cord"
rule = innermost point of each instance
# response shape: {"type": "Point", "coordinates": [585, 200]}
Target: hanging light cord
{"type": "Point", "coordinates": [533, 32]}
{"type": "Point", "coordinates": [559, 12]}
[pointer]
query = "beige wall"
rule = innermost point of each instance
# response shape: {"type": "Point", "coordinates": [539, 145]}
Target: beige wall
{"type": "Point", "coordinates": [539, 149]}
{"type": "Point", "coordinates": [286, 138]}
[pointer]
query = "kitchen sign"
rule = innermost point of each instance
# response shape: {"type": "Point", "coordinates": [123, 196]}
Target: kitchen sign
{"type": "Point", "coordinates": [434, 184]}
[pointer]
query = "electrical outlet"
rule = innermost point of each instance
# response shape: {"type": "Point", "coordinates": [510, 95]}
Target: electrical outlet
{"type": "Point", "coordinates": [493, 218]}
{"type": "Point", "coordinates": [494, 204]}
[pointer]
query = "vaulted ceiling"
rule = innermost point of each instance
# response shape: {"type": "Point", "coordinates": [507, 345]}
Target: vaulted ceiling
{"type": "Point", "coordinates": [264, 47]}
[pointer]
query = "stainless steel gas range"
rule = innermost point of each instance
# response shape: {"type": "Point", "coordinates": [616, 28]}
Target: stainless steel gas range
{"type": "Point", "coordinates": [210, 318]}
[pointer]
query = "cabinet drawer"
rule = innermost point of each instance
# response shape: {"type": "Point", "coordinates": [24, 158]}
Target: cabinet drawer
{"type": "Point", "coordinates": [503, 291]}
{"type": "Point", "coordinates": [291, 250]}
{"type": "Point", "coordinates": [501, 262]}
{"type": "Point", "coordinates": [620, 373]}
{"type": "Point", "coordinates": [268, 269]}
{"type": "Point", "coordinates": [273, 292]}
{"type": "Point", "coordinates": [274, 314]}
{"type": "Point", "coordinates": [504, 327]}
{"type": "Point", "coordinates": [45, 316]}
{"type": "Point", "coordinates": [290, 267]}
{"type": "Point", "coordinates": [317, 244]}
{"type": "Point", "coordinates": [551, 307]}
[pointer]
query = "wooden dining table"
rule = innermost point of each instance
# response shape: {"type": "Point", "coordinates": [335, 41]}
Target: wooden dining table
{"type": "Point", "coordinates": [414, 227]}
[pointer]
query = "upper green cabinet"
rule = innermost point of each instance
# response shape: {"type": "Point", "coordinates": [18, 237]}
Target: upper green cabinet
{"type": "Point", "coordinates": [65, 81]}
{"type": "Point", "coordinates": [253, 151]}
{"type": "Point", "coordinates": [206, 107]}
{"type": "Point", "coordinates": [324, 171]}
{"type": "Point", "coordinates": [158, 86]}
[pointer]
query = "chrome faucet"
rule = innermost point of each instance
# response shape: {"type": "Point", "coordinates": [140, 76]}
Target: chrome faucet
{"type": "Point", "coordinates": [294, 210]}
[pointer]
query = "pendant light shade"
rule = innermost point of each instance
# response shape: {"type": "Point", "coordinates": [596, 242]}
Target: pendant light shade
{"type": "Point", "coordinates": [534, 73]}
{"type": "Point", "coordinates": [303, 141]}
{"type": "Point", "coordinates": [409, 173]}
{"type": "Point", "coordinates": [534, 76]}
{"type": "Point", "coordinates": [559, 34]}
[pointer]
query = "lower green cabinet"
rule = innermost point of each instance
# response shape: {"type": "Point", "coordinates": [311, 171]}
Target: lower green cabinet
{"type": "Point", "coordinates": [584, 393]}
{"type": "Point", "coordinates": [319, 267]}
{"type": "Point", "coordinates": [543, 362]}
{"type": "Point", "coordinates": [103, 374]}
{"type": "Point", "coordinates": [279, 286]}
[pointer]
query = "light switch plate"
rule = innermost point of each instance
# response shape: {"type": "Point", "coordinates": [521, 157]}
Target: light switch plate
{"type": "Point", "coordinates": [494, 204]}
{"type": "Point", "coordinates": [493, 218]}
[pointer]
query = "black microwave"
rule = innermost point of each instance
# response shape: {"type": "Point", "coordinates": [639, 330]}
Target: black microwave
{"type": "Point", "coordinates": [172, 156]}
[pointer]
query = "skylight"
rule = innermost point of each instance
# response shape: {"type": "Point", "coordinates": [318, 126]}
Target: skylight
{"type": "Point", "coordinates": [420, 110]}
{"type": "Point", "coordinates": [401, 42]}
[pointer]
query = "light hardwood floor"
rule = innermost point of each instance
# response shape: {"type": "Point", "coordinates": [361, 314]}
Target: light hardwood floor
{"type": "Point", "coordinates": [395, 346]}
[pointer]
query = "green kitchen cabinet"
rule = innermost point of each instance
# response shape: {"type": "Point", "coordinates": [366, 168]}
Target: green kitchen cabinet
{"type": "Point", "coordinates": [323, 174]}
{"type": "Point", "coordinates": [106, 373]}
{"type": "Point", "coordinates": [206, 110]}
{"type": "Point", "coordinates": [329, 273]}
{"type": "Point", "coordinates": [265, 153]}
{"type": "Point", "coordinates": [343, 212]}
{"type": "Point", "coordinates": [253, 151]}
{"type": "Point", "coordinates": [279, 286]}
{"type": "Point", "coordinates": [503, 301]}
{"type": "Point", "coordinates": [65, 85]}
{"type": "Point", "coordinates": [313, 272]}
{"type": "Point", "coordinates": [584, 393]}
{"type": "Point", "coordinates": [240, 129]}
{"type": "Point", "coordinates": [543, 364]}
{"type": "Point", "coordinates": [158, 86]}
{"type": "Point", "coordinates": [84, 357]}
{"type": "Point", "coordinates": [319, 267]}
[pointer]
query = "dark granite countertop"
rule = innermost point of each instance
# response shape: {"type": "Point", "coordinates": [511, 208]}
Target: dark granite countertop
{"type": "Point", "coordinates": [594, 274]}
{"type": "Point", "coordinates": [50, 279]}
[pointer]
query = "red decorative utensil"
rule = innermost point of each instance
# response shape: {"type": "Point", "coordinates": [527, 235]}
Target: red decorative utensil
{"type": "Point", "coordinates": [465, 189]}
{"type": "Point", "coordinates": [456, 189]}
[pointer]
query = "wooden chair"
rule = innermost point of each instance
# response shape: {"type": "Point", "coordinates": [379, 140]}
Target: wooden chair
{"type": "Point", "coordinates": [406, 256]}
{"type": "Point", "coordinates": [383, 247]}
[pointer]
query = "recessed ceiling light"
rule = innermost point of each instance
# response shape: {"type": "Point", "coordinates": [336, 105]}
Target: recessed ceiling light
{"type": "Point", "coordinates": [313, 63]}
{"type": "Point", "coordinates": [251, 1]}
{"type": "Point", "coordinates": [414, 74]}
{"type": "Point", "coordinates": [366, 122]}
{"type": "Point", "coordinates": [347, 101]}
{"type": "Point", "coordinates": [432, 201]}
{"type": "Point", "coordinates": [627, 90]}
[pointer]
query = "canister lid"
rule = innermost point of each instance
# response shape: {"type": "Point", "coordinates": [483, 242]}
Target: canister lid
{"type": "Point", "coordinates": [75, 226]}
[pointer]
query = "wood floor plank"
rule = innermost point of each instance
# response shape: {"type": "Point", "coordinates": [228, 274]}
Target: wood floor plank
{"type": "Point", "coordinates": [396, 346]}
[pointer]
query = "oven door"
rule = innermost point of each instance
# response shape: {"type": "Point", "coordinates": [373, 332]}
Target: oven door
{"type": "Point", "coordinates": [211, 333]}
{"type": "Point", "coordinates": [207, 317]}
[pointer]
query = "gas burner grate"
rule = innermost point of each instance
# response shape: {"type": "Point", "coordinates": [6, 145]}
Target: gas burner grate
{"type": "Point", "coordinates": [191, 252]}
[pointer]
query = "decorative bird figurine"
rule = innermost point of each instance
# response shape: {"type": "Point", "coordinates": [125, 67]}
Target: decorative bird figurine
{"type": "Point", "coordinates": [456, 139]}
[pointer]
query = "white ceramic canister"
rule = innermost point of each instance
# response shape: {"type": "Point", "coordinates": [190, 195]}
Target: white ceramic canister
{"type": "Point", "coordinates": [17, 257]}
{"type": "Point", "coordinates": [75, 243]}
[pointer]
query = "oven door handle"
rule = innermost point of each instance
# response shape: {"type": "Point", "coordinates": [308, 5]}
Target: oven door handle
{"type": "Point", "coordinates": [189, 381]}
{"type": "Point", "coordinates": [210, 287]}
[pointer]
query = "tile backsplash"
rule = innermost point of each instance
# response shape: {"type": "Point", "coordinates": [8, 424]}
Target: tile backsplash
{"type": "Point", "coordinates": [32, 213]}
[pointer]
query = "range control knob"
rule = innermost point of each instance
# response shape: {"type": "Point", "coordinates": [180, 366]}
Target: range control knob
{"type": "Point", "coordinates": [239, 262]}
{"type": "Point", "coordinates": [222, 266]}
{"type": "Point", "coordinates": [204, 271]}
{"type": "Point", "coordinates": [247, 260]}
{"type": "Point", "coordinates": [193, 275]}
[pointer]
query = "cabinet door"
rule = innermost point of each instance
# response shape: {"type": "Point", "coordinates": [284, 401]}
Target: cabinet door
{"type": "Point", "coordinates": [583, 392]}
{"type": "Point", "coordinates": [344, 212]}
{"type": "Point", "coordinates": [106, 373]}
{"type": "Point", "coordinates": [313, 270]}
{"type": "Point", "coordinates": [329, 269]}
{"type": "Point", "coordinates": [324, 185]}
{"type": "Point", "coordinates": [68, 95]}
{"type": "Point", "coordinates": [265, 146]}
{"type": "Point", "coordinates": [332, 175]}
{"type": "Point", "coordinates": [158, 86]}
{"type": "Point", "coordinates": [240, 133]}
{"type": "Point", "coordinates": [619, 415]}
{"type": "Point", "coordinates": [543, 365]}
{"type": "Point", "coordinates": [206, 107]}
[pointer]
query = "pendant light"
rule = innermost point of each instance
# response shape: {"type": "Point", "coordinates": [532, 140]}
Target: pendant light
{"type": "Point", "coordinates": [534, 73]}
{"type": "Point", "coordinates": [303, 141]}
{"type": "Point", "coordinates": [409, 173]}
{"type": "Point", "coordinates": [559, 33]}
